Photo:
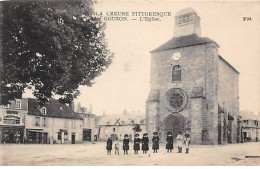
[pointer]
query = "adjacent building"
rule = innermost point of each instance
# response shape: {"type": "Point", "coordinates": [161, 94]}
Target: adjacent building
{"type": "Point", "coordinates": [250, 126]}
{"type": "Point", "coordinates": [119, 125]}
{"type": "Point", "coordinates": [192, 88]}
{"type": "Point", "coordinates": [88, 125]}
{"type": "Point", "coordinates": [24, 121]}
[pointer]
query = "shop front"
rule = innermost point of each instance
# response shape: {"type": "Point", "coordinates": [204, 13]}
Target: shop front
{"type": "Point", "coordinates": [12, 134]}
{"type": "Point", "coordinates": [34, 136]}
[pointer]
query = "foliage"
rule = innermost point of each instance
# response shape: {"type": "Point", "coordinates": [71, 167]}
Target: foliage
{"type": "Point", "coordinates": [51, 47]}
{"type": "Point", "coordinates": [137, 128]}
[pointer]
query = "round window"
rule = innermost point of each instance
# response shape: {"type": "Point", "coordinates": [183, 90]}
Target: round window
{"type": "Point", "coordinates": [176, 100]}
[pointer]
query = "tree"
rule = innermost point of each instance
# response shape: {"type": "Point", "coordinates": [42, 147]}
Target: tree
{"type": "Point", "coordinates": [137, 128]}
{"type": "Point", "coordinates": [51, 47]}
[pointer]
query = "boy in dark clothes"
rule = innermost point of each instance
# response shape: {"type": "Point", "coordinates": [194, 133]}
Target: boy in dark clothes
{"type": "Point", "coordinates": [169, 140]}
{"type": "Point", "coordinates": [137, 143]}
{"type": "Point", "coordinates": [145, 141]}
{"type": "Point", "coordinates": [126, 144]}
{"type": "Point", "coordinates": [155, 142]}
{"type": "Point", "coordinates": [109, 145]}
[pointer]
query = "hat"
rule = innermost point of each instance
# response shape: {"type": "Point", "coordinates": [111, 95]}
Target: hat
{"type": "Point", "coordinates": [145, 134]}
{"type": "Point", "coordinates": [136, 135]}
{"type": "Point", "coordinates": [187, 135]}
{"type": "Point", "coordinates": [179, 132]}
{"type": "Point", "coordinates": [155, 133]}
{"type": "Point", "coordinates": [126, 135]}
{"type": "Point", "coordinates": [169, 133]}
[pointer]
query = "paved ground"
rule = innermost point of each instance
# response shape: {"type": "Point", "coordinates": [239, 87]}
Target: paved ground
{"type": "Point", "coordinates": [95, 154]}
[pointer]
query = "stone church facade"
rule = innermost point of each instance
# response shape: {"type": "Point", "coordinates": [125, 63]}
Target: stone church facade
{"type": "Point", "coordinates": [192, 88]}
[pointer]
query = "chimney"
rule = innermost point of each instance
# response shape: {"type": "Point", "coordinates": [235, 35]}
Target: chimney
{"type": "Point", "coordinates": [90, 108]}
{"type": "Point", "coordinates": [125, 112]}
{"type": "Point", "coordinates": [71, 105]}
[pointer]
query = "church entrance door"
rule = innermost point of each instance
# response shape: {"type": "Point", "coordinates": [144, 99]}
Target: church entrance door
{"type": "Point", "coordinates": [174, 123]}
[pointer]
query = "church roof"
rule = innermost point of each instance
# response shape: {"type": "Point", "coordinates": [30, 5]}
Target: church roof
{"type": "Point", "coordinates": [183, 41]}
{"type": "Point", "coordinates": [228, 64]}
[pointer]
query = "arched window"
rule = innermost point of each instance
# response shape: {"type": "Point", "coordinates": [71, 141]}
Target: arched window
{"type": "Point", "coordinates": [176, 73]}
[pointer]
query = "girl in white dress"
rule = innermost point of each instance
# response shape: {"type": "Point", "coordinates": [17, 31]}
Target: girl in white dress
{"type": "Point", "coordinates": [117, 146]}
{"type": "Point", "coordinates": [179, 142]}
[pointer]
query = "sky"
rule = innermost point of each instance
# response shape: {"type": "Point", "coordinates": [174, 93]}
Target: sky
{"type": "Point", "coordinates": [125, 84]}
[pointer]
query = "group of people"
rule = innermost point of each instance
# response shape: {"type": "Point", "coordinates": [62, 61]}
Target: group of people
{"type": "Point", "coordinates": [145, 143]}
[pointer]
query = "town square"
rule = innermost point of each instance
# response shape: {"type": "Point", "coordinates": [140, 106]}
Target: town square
{"type": "Point", "coordinates": [95, 83]}
{"type": "Point", "coordinates": [89, 154]}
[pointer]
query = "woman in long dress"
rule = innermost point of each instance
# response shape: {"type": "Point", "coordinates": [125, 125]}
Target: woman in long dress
{"type": "Point", "coordinates": [179, 142]}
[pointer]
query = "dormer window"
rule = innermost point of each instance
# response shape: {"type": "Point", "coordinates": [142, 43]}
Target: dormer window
{"type": "Point", "coordinates": [18, 104]}
{"type": "Point", "coordinates": [44, 111]}
{"type": "Point", "coordinates": [6, 106]}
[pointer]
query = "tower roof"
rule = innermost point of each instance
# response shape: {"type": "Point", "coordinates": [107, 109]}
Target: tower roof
{"type": "Point", "coordinates": [185, 11]}
{"type": "Point", "coordinates": [184, 41]}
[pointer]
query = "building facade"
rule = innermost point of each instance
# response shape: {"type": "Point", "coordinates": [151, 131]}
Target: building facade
{"type": "Point", "coordinates": [23, 121]}
{"type": "Point", "coordinates": [192, 88]}
{"type": "Point", "coordinates": [250, 126]}
{"type": "Point", "coordinates": [119, 125]}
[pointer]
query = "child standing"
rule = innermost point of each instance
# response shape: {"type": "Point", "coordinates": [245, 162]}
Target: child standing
{"type": "Point", "coordinates": [109, 145]}
{"type": "Point", "coordinates": [117, 146]}
{"type": "Point", "coordinates": [145, 141]}
{"type": "Point", "coordinates": [155, 142]}
{"type": "Point", "coordinates": [126, 144]}
{"type": "Point", "coordinates": [136, 143]}
{"type": "Point", "coordinates": [179, 142]}
{"type": "Point", "coordinates": [187, 142]}
{"type": "Point", "coordinates": [169, 140]}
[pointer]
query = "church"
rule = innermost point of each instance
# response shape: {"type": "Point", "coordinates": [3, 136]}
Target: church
{"type": "Point", "coordinates": [192, 88]}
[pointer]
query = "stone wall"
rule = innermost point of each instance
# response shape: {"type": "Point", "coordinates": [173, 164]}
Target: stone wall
{"type": "Point", "coordinates": [228, 93]}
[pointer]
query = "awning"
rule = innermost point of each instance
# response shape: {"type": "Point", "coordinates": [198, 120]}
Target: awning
{"type": "Point", "coordinates": [63, 130]}
{"type": "Point", "coordinates": [35, 130]}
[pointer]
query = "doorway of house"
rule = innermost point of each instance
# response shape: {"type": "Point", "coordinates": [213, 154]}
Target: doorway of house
{"type": "Point", "coordinates": [45, 138]}
{"type": "Point", "coordinates": [73, 138]}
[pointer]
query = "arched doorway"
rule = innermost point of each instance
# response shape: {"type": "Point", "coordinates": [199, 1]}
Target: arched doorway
{"type": "Point", "coordinates": [174, 123]}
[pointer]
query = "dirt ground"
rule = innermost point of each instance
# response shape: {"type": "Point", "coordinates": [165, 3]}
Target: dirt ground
{"type": "Point", "coordinates": [90, 154]}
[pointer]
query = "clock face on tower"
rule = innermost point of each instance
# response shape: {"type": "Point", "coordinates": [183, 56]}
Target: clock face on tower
{"type": "Point", "coordinates": [176, 56]}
